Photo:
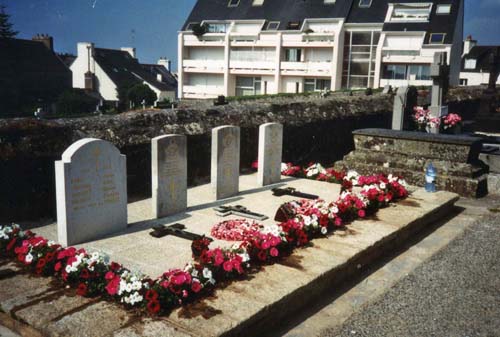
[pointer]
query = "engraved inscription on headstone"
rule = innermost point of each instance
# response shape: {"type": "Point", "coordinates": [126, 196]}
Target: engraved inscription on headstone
{"type": "Point", "coordinates": [270, 153]}
{"type": "Point", "coordinates": [225, 161]}
{"type": "Point", "coordinates": [169, 175]}
{"type": "Point", "coordinates": [91, 191]}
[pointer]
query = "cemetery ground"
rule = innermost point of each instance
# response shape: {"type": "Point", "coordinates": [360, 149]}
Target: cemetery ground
{"type": "Point", "coordinates": [313, 291]}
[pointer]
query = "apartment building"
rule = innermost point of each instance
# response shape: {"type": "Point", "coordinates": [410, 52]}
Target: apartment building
{"type": "Point", "coordinates": [251, 47]}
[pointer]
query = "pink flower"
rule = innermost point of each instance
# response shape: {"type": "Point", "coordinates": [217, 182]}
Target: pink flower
{"type": "Point", "coordinates": [228, 266]}
{"type": "Point", "coordinates": [274, 252]}
{"type": "Point", "coordinates": [196, 287]}
{"type": "Point", "coordinates": [361, 213]}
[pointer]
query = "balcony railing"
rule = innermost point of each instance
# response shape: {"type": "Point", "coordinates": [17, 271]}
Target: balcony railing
{"type": "Point", "coordinates": [316, 68]}
{"type": "Point", "coordinates": [203, 65]}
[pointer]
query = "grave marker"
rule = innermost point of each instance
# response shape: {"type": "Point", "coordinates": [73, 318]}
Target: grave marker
{"type": "Point", "coordinates": [404, 101]}
{"type": "Point", "coordinates": [225, 161]}
{"type": "Point", "coordinates": [169, 175]}
{"type": "Point", "coordinates": [91, 191]}
{"type": "Point", "coordinates": [270, 152]}
{"type": "Point", "coordinates": [440, 80]}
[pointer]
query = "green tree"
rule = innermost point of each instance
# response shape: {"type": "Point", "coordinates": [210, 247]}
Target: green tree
{"type": "Point", "coordinates": [6, 30]}
{"type": "Point", "coordinates": [75, 102]}
{"type": "Point", "coordinates": [140, 93]}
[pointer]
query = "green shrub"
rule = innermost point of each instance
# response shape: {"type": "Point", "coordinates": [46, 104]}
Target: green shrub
{"type": "Point", "coordinates": [75, 102]}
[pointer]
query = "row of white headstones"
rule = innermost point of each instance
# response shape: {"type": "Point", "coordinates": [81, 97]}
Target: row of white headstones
{"type": "Point", "coordinates": [91, 179]}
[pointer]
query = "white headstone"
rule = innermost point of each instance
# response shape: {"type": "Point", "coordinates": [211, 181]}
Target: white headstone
{"type": "Point", "coordinates": [225, 161]}
{"type": "Point", "coordinates": [91, 191]}
{"type": "Point", "coordinates": [270, 153]}
{"type": "Point", "coordinates": [398, 110]}
{"type": "Point", "coordinates": [169, 174]}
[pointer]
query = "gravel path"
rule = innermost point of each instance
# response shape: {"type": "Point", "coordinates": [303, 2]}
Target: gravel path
{"type": "Point", "coordinates": [455, 293]}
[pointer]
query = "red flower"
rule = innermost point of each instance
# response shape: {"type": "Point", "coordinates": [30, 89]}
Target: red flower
{"type": "Point", "coordinates": [82, 289]}
{"type": "Point", "coordinates": [11, 244]}
{"type": "Point", "coordinates": [114, 266]}
{"type": "Point", "coordinates": [58, 266]}
{"type": "Point", "coordinates": [109, 275]}
{"type": "Point", "coordinates": [262, 255]}
{"type": "Point", "coordinates": [84, 274]}
{"type": "Point", "coordinates": [274, 252]}
{"type": "Point", "coordinates": [151, 295]}
{"type": "Point", "coordinates": [153, 306]}
{"type": "Point", "coordinates": [255, 164]}
{"type": "Point", "coordinates": [41, 263]}
{"type": "Point", "coordinates": [113, 285]}
{"type": "Point", "coordinates": [361, 213]}
{"type": "Point", "coordinates": [196, 287]}
{"type": "Point", "coordinates": [228, 266]}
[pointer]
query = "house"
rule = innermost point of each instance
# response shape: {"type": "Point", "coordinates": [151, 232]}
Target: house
{"type": "Point", "coordinates": [476, 63]}
{"type": "Point", "coordinates": [106, 70]}
{"type": "Point", "coordinates": [31, 76]}
{"type": "Point", "coordinates": [249, 47]}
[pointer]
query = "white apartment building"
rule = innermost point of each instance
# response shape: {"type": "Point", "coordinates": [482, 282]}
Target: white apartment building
{"type": "Point", "coordinates": [252, 47]}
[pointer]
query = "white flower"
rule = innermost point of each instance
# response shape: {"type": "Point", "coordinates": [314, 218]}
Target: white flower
{"type": "Point", "coordinates": [128, 287]}
{"type": "Point", "coordinates": [382, 185]}
{"type": "Point", "coordinates": [212, 281]}
{"type": "Point", "coordinates": [244, 256]}
{"type": "Point", "coordinates": [324, 230]}
{"type": "Point", "coordinates": [207, 273]}
{"type": "Point", "coordinates": [284, 167]}
{"type": "Point", "coordinates": [194, 273]}
{"type": "Point", "coordinates": [28, 258]}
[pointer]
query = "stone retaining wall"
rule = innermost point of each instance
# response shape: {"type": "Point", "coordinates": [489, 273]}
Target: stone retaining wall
{"type": "Point", "coordinates": [315, 130]}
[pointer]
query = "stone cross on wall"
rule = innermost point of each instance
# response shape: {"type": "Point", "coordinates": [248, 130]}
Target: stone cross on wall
{"type": "Point", "coordinates": [440, 73]}
{"type": "Point", "coordinates": [404, 101]}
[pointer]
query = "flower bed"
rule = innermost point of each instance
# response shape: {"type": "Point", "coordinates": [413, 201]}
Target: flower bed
{"type": "Point", "coordinates": [91, 274]}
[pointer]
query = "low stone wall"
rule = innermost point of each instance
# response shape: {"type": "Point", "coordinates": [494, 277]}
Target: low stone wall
{"type": "Point", "coordinates": [315, 130]}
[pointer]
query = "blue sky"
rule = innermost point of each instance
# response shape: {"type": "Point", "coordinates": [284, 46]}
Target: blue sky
{"type": "Point", "coordinates": [151, 25]}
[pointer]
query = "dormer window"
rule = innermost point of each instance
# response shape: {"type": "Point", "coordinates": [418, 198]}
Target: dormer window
{"type": "Point", "coordinates": [443, 9]}
{"type": "Point", "coordinates": [233, 3]}
{"type": "Point", "coordinates": [257, 2]}
{"type": "Point", "coordinates": [328, 2]}
{"type": "Point", "coordinates": [410, 12]}
{"type": "Point", "coordinates": [191, 25]}
{"type": "Point", "coordinates": [295, 25]}
{"type": "Point", "coordinates": [470, 64]}
{"type": "Point", "coordinates": [273, 25]}
{"type": "Point", "coordinates": [365, 3]}
{"type": "Point", "coordinates": [437, 38]}
{"type": "Point", "coordinates": [217, 27]}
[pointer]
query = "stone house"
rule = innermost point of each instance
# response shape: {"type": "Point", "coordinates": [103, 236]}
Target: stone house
{"type": "Point", "coordinates": [476, 63]}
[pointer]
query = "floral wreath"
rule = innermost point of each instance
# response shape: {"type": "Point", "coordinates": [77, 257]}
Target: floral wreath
{"type": "Point", "coordinates": [235, 230]}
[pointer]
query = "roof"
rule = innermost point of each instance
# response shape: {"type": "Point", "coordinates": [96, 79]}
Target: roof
{"type": "Point", "coordinates": [67, 59]}
{"type": "Point", "coordinates": [167, 77]}
{"type": "Point", "coordinates": [297, 10]}
{"type": "Point", "coordinates": [29, 56]}
{"type": "Point", "coordinates": [481, 55]}
{"type": "Point", "coordinates": [125, 70]}
{"type": "Point", "coordinates": [271, 10]}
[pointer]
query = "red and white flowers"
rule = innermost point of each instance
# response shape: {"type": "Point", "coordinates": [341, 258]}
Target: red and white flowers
{"type": "Point", "coordinates": [91, 274]}
{"type": "Point", "coordinates": [450, 120]}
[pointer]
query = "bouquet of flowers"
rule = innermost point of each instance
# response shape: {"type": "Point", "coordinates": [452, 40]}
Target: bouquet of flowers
{"type": "Point", "coordinates": [424, 120]}
{"type": "Point", "coordinates": [451, 120]}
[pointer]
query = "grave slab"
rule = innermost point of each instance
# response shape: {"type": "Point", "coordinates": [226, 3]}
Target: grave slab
{"type": "Point", "coordinates": [270, 153]}
{"type": "Point", "coordinates": [169, 174]}
{"type": "Point", "coordinates": [225, 168]}
{"type": "Point", "coordinates": [91, 191]}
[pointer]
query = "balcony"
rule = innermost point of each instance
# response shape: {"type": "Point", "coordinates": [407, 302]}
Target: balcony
{"type": "Point", "coordinates": [209, 39]}
{"type": "Point", "coordinates": [306, 68]}
{"type": "Point", "coordinates": [202, 91]}
{"type": "Point", "coordinates": [252, 67]}
{"type": "Point", "coordinates": [203, 66]}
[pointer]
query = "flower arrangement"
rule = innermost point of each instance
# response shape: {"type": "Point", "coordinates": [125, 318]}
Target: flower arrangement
{"type": "Point", "coordinates": [91, 274]}
{"type": "Point", "coordinates": [451, 120]}
{"type": "Point", "coordinates": [424, 120]}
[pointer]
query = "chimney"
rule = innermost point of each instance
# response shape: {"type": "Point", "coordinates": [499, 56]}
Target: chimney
{"type": "Point", "coordinates": [47, 40]}
{"type": "Point", "coordinates": [469, 43]}
{"type": "Point", "coordinates": [129, 50]}
{"type": "Point", "coordinates": [165, 62]}
{"type": "Point", "coordinates": [86, 53]}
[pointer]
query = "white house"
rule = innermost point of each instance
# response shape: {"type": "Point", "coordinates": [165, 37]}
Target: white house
{"type": "Point", "coordinates": [475, 63]}
{"type": "Point", "coordinates": [248, 47]}
{"type": "Point", "coordinates": [105, 70]}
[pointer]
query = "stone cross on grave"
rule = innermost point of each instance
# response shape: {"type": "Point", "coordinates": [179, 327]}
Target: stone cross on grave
{"type": "Point", "coordinates": [440, 73]}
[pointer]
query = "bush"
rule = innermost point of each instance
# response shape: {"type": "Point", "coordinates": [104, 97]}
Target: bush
{"type": "Point", "coordinates": [75, 102]}
{"type": "Point", "coordinates": [134, 94]}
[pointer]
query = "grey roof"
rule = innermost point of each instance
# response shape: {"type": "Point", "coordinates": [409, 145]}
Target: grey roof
{"type": "Point", "coordinates": [272, 10]}
{"type": "Point", "coordinates": [297, 10]}
{"type": "Point", "coordinates": [166, 76]}
{"type": "Point", "coordinates": [481, 54]}
{"type": "Point", "coordinates": [124, 70]}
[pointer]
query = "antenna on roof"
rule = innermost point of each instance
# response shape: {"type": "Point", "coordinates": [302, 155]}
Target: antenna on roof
{"type": "Point", "coordinates": [132, 37]}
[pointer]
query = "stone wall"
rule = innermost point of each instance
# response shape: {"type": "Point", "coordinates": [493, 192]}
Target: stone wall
{"type": "Point", "coordinates": [315, 130]}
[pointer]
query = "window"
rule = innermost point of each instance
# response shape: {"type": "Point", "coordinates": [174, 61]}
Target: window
{"type": "Point", "coordinates": [293, 54]}
{"type": "Point", "coordinates": [233, 3]}
{"type": "Point", "coordinates": [217, 27]}
{"type": "Point", "coordinates": [437, 38]}
{"type": "Point", "coordinates": [470, 64]}
{"type": "Point", "coordinates": [411, 12]}
{"type": "Point", "coordinates": [293, 25]}
{"type": "Point", "coordinates": [257, 2]}
{"type": "Point", "coordinates": [365, 3]}
{"type": "Point", "coordinates": [329, 1]}
{"type": "Point", "coordinates": [316, 84]}
{"type": "Point", "coordinates": [443, 9]}
{"type": "Point", "coordinates": [191, 24]}
{"type": "Point", "coordinates": [418, 72]}
{"type": "Point", "coordinates": [273, 25]}
{"type": "Point", "coordinates": [246, 86]}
